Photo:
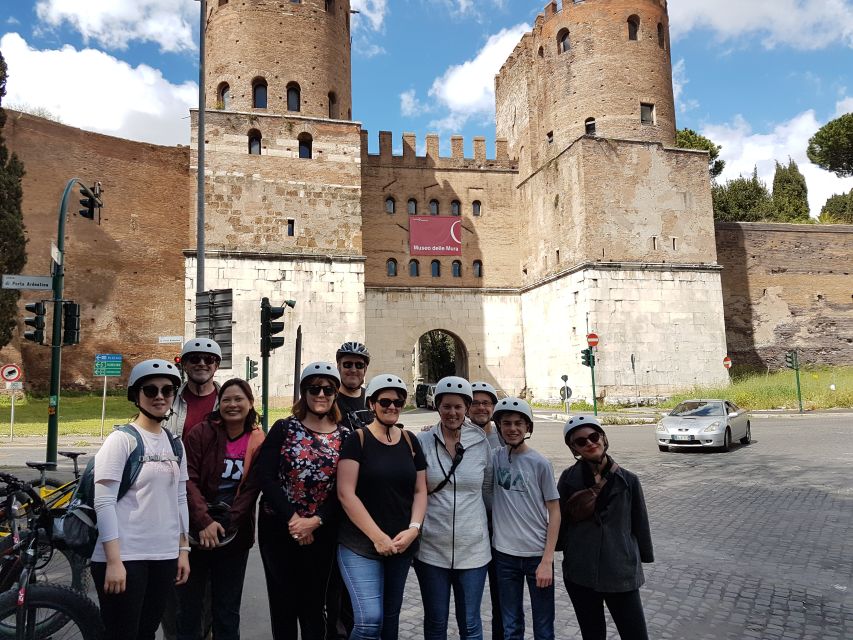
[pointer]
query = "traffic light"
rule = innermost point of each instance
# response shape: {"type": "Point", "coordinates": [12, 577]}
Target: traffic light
{"type": "Point", "coordinates": [587, 357]}
{"type": "Point", "coordinates": [70, 323]}
{"type": "Point", "coordinates": [791, 360]}
{"type": "Point", "coordinates": [269, 328]}
{"type": "Point", "coordinates": [88, 201]}
{"type": "Point", "coordinates": [251, 368]}
{"type": "Point", "coordinates": [36, 322]}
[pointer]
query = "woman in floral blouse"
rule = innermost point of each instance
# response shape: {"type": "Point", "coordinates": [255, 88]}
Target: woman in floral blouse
{"type": "Point", "coordinates": [298, 519]}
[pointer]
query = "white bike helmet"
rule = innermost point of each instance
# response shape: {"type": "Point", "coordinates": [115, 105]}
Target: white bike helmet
{"type": "Point", "coordinates": [325, 369]}
{"type": "Point", "coordinates": [201, 345]}
{"type": "Point", "coordinates": [453, 384]}
{"type": "Point", "coordinates": [150, 369]}
{"type": "Point", "coordinates": [485, 387]}
{"type": "Point", "coordinates": [385, 381]}
{"type": "Point", "coordinates": [353, 348]}
{"type": "Point", "coordinates": [576, 422]}
{"type": "Point", "coordinates": [516, 405]}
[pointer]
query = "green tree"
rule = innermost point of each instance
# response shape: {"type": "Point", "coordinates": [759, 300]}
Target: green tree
{"type": "Point", "coordinates": [742, 200]}
{"type": "Point", "coordinates": [689, 139]}
{"type": "Point", "coordinates": [438, 352]}
{"type": "Point", "coordinates": [790, 194]}
{"type": "Point", "coordinates": [13, 254]}
{"type": "Point", "coordinates": [831, 148]}
{"type": "Point", "coordinates": [838, 209]}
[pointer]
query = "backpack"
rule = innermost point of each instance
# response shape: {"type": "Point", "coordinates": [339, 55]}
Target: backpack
{"type": "Point", "coordinates": [405, 436]}
{"type": "Point", "coordinates": [78, 527]}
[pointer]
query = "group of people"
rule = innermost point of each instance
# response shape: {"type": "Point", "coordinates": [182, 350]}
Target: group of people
{"type": "Point", "coordinates": [350, 501]}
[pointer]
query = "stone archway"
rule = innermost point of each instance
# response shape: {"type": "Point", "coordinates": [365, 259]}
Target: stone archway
{"type": "Point", "coordinates": [438, 353]}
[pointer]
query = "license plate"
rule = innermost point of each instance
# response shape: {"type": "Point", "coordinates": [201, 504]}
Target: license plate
{"type": "Point", "coordinates": [682, 437]}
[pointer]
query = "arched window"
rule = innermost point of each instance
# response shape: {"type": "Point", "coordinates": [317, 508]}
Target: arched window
{"type": "Point", "coordinates": [259, 94]}
{"type": "Point", "coordinates": [563, 41]}
{"type": "Point", "coordinates": [433, 207]}
{"type": "Point", "coordinates": [391, 268]}
{"type": "Point", "coordinates": [412, 206]}
{"type": "Point", "coordinates": [223, 96]}
{"type": "Point", "coordinates": [293, 97]}
{"type": "Point", "coordinates": [390, 205]}
{"type": "Point", "coordinates": [589, 124]}
{"type": "Point", "coordinates": [478, 268]}
{"type": "Point", "coordinates": [456, 269]}
{"type": "Point", "coordinates": [306, 143]}
{"type": "Point", "coordinates": [455, 208]}
{"type": "Point", "coordinates": [476, 208]}
{"type": "Point", "coordinates": [435, 268]}
{"type": "Point", "coordinates": [330, 6]}
{"type": "Point", "coordinates": [333, 106]}
{"type": "Point", "coordinates": [634, 28]}
{"type": "Point", "coordinates": [414, 268]}
{"type": "Point", "coordinates": [661, 36]}
{"type": "Point", "coordinates": [541, 52]}
{"type": "Point", "coordinates": [254, 142]}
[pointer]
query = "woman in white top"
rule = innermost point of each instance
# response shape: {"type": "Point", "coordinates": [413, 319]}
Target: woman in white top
{"type": "Point", "coordinates": [142, 549]}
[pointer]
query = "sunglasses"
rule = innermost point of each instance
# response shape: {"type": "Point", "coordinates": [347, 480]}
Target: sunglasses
{"type": "Point", "coordinates": [152, 390]}
{"type": "Point", "coordinates": [350, 365]}
{"type": "Point", "coordinates": [317, 389]}
{"type": "Point", "coordinates": [196, 358]}
{"type": "Point", "coordinates": [482, 403]}
{"type": "Point", "coordinates": [387, 402]}
{"type": "Point", "coordinates": [581, 442]}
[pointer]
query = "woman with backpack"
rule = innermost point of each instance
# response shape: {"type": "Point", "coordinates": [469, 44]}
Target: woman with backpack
{"type": "Point", "coordinates": [382, 487]}
{"type": "Point", "coordinates": [220, 452]}
{"type": "Point", "coordinates": [299, 514]}
{"type": "Point", "coordinates": [142, 549]}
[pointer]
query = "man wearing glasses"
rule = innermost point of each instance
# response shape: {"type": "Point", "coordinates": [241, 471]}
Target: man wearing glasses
{"type": "Point", "coordinates": [196, 398]}
{"type": "Point", "coordinates": [352, 358]}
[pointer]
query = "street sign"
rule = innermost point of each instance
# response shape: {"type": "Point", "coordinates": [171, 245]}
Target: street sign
{"type": "Point", "coordinates": [108, 364]}
{"type": "Point", "coordinates": [35, 283]}
{"type": "Point", "coordinates": [565, 392]}
{"type": "Point", "coordinates": [55, 253]}
{"type": "Point", "coordinates": [170, 340]}
{"type": "Point", "coordinates": [727, 362]}
{"type": "Point", "coordinates": [592, 340]}
{"type": "Point", "coordinates": [10, 373]}
{"type": "Point", "coordinates": [14, 386]}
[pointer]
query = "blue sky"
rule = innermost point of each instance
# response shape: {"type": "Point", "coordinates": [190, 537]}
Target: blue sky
{"type": "Point", "coordinates": [757, 76]}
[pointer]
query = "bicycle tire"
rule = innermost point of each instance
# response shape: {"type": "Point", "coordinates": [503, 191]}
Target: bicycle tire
{"type": "Point", "coordinates": [71, 616]}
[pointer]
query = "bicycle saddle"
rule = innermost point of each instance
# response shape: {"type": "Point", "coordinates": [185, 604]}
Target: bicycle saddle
{"type": "Point", "coordinates": [42, 466]}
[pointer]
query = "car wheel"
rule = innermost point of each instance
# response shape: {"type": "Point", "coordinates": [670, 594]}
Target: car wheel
{"type": "Point", "coordinates": [727, 440]}
{"type": "Point", "coordinates": [748, 437]}
{"type": "Point", "coordinates": [663, 447]}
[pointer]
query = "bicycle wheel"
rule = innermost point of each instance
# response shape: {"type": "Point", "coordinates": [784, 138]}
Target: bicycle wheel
{"type": "Point", "coordinates": [64, 568]}
{"type": "Point", "coordinates": [52, 613]}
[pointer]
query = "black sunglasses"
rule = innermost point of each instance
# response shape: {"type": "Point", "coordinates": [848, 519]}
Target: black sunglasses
{"type": "Point", "coordinates": [195, 358]}
{"type": "Point", "coordinates": [350, 365]}
{"type": "Point", "coordinates": [581, 442]}
{"type": "Point", "coordinates": [152, 390]}
{"type": "Point", "coordinates": [387, 402]}
{"type": "Point", "coordinates": [317, 389]}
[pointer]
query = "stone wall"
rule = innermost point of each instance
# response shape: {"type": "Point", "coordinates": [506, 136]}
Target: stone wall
{"type": "Point", "coordinates": [787, 286]}
{"type": "Point", "coordinates": [128, 273]}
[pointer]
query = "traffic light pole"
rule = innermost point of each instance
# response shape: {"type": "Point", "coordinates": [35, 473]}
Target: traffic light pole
{"type": "Point", "coordinates": [592, 373]}
{"type": "Point", "coordinates": [265, 364]}
{"type": "Point", "coordinates": [797, 373]}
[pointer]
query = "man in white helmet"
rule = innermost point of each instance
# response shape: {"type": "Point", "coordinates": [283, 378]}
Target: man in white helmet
{"type": "Point", "coordinates": [352, 359]}
{"type": "Point", "coordinates": [196, 398]}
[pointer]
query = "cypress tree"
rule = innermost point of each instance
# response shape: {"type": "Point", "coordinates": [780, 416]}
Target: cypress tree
{"type": "Point", "coordinates": [790, 194]}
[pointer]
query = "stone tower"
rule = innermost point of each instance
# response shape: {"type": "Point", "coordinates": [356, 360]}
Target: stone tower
{"type": "Point", "coordinates": [282, 175]}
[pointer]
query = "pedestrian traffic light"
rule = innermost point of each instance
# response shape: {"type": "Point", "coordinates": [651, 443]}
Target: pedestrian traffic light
{"type": "Point", "coordinates": [587, 357]}
{"type": "Point", "coordinates": [251, 368]}
{"type": "Point", "coordinates": [269, 328]}
{"type": "Point", "coordinates": [70, 323]}
{"type": "Point", "coordinates": [791, 360]}
{"type": "Point", "coordinates": [36, 322]}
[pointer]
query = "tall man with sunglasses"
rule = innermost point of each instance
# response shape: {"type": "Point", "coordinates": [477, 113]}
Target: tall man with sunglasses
{"type": "Point", "coordinates": [196, 398]}
{"type": "Point", "coordinates": [353, 359]}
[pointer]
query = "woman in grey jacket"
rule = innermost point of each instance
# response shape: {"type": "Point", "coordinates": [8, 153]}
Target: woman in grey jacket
{"type": "Point", "coordinates": [604, 535]}
{"type": "Point", "coordinates": [455, 550]}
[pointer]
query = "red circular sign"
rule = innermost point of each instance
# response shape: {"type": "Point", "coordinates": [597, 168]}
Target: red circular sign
{"type": "Point", "coordinates": [727, 362]}
{"type": "Point", "coordinates": [592, 340]}
{"type": "Point", "coordinates": [10, 373]}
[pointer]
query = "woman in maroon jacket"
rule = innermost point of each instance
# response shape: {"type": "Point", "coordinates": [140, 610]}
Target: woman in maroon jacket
{"type": "Point", "coordinates": [219, 454]}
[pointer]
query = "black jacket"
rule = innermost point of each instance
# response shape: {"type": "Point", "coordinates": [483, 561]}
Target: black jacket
{"type": "Point", "coordinates": [605, 552]}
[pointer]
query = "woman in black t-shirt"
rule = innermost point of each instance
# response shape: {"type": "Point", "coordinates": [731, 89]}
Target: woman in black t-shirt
{"type": "Point", "coordinates": [382, 487]}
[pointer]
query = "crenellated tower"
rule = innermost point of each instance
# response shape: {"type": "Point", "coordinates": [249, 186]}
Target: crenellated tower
{"type": "Point", "coordinates": [280, 56]}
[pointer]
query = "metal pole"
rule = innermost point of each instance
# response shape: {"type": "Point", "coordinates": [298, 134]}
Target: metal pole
{"type": "Point", "coordinates": [797, 372]}
{"type": "Point", "coordinates": [104, 408]}
{"type": "Point", "coordinates": [297, 363]}
{"type": "Point", "coordinates": [12, 418]}
{"type": "Point", "coordinates": [199, 278]}
{"type": "Point", "coordinates": [592, 372]}
{"type": "Point", "coordinates": [265, 365]}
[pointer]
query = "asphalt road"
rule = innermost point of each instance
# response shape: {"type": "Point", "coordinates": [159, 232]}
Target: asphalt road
{"type": "Point", "coordinates": [754, 543]}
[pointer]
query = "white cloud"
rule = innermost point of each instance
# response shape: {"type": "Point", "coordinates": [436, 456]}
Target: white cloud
{"type": "Point", "coordinates": [803, 24]}
{"type": "Point", "coordinates": [12, 20]}
{"type": "Point", "coordinates": [679, 81]}
{"type": "Point", "coordinates": [130, 102]}
{"type": "Point", "coordinates": [116, 23]}
{"type": "Point", "coordinates": [371, 14]}
{"type": "Point", "coordinates": [468, 89]}
{"type": "Point", "coordinates": [845, 105]}
{"type": "Point", "coordinates": [744, 149]}
{"type": "Point", "coordinates": [410, 106]}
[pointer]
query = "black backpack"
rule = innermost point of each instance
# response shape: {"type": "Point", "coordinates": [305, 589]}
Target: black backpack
{"type": "Point", "coordinates": [78, 528]}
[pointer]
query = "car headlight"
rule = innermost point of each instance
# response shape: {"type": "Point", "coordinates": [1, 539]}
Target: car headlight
{"type": "Point", "coordinates": [661, 427]}
{"type": "Point", "coordinates": [714, 426]}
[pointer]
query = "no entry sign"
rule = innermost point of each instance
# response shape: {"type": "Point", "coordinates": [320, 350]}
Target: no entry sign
{"type": "Point", "coordinates": [592, 340]}
{"type": "Point", "coordinates": [727, 362]}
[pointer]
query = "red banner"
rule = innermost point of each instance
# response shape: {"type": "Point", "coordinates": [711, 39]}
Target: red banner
{"type": "Point", "coordinates": [435, 235]}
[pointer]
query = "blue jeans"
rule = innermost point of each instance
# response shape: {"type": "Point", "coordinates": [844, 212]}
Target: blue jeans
{"type": "Point", "coordinates": [512, 571]}
{"type": "Point", "coordinates": [468, 585]}
{"type": "Point", "coordinates": [376, 590]}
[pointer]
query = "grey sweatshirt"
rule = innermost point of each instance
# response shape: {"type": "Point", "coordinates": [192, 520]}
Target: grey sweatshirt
{"type": "Point", "coordinates": [455, 532]}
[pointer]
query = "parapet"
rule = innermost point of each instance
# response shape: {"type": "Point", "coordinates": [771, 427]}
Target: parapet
{"type": "Point", "coordinates": [432, 156]}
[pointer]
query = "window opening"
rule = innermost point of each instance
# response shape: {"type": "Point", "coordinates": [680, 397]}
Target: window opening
{"type": "Point", "coordinates": [634, 28]}
{"type": "Point", "coordinates": [675, 244]}
{"type": "Point", "coordinates": [254, 142]}
{"type": "Point", "coordinates": [563, 41]}
{"type": "Point", "coordinates": [433, 207]}
{"type": "Point", "coordinates": [306, 143]}
{"type": "Point", "coordinates": [391, 267]}
{"type": "Point", "coordinates": [259, 94]}
{"type": "Point", "coordinates": [478, 269]}
{"type": "Point", "coordinates": [390, 205]}
{"type": "Point", "coordinates": [550, 137]}
{"type": "Point", "coordinates": [654, 243]}
{"type": "Point", "coordinates": [294, 99]}
{"type": "Point", "coordinates": [412, 206]}
{"type": "Point", "coordinates": [435, 268]}
{"type": "Point", "coordinates": [414, 268]}
{"type": "Point", "coordinates": [333, 106]}
{"type": "Point", "coordinates": [291, 227]}
{"type": "Point", "coordinates": [647, 113]}
{"type": "Point", "coordinates": [456, 268]}
{"type": "Point", "coordinates": [223, 96]}
{"type": "Point", "coordinates": [476, 208]}
{"type": "Point", "coordinates": [661, 36]}
{"type": "Point", "coordinates": [589, 126]}
{"type": "Point", "coordinates": [455, 208]}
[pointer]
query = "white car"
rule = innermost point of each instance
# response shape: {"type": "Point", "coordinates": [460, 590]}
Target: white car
{"type": "Point", "coordinates": [704, 424]}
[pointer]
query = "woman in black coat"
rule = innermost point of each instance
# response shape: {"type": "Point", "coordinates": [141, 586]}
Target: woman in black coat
{"type": "Point", "coordinates": [604, 535]}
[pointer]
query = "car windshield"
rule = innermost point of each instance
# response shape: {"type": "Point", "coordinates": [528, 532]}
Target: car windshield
{"type": "Point", "coordinates": [698, 408]}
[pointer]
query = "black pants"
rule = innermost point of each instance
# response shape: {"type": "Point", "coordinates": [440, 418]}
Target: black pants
{"type": "Point", "coordinates": [297, 579]}
{"type": "Point", "coordinates": [497, 619]}
{"type": "Point", "coordinates": [626, 609]}
{"type": "Point", "coordinates": [339, 616]}
{"type": "Point", "coordinates": [224, 570]}
{"type": "Point", "coordinates": [135, 614]}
